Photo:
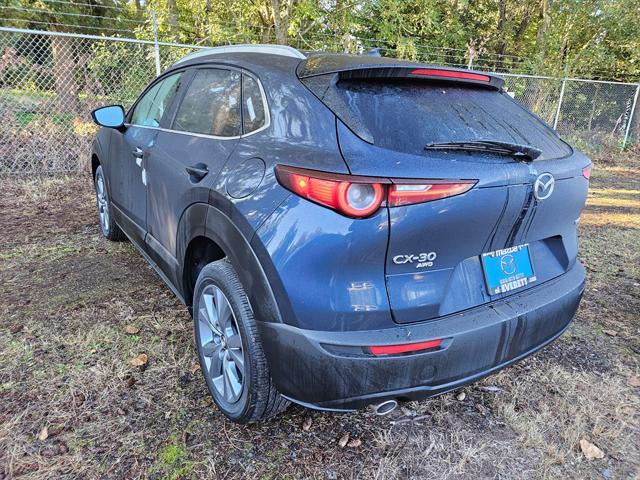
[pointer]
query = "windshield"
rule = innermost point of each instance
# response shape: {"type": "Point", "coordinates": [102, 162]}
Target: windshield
{"type": "Point", "coordinates": [407, 115]}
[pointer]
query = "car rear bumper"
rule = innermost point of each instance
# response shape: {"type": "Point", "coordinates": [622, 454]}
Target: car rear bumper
{"type": "Point", "coordinates": [328, 370]}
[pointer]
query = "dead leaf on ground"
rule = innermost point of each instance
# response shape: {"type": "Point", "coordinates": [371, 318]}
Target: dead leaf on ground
{"type": "Point", "coordinates": [44, 434]}
{"type": "Point", "coordinates": [355, 443]}
{"type": "Point", "coordinates": [306, 425]}
{"type": "Point", "coordinates": [194, 368]}
{"type": "Point", "coordinates": [461, 396]}
{"type": "Point", "coordinates": [131, 329]}
{"type": "Point", "coordinates": [634, 381]}
{"type": "Point", "coordinates": [343, 440]}
{"type": "Point", "coordinates": [140, 360]}
{"type": "Point", "coordinates": [16, 328]}
{"type": "Point", "coordinates": [611, 333]}
{"type": "Point", "coordinates": [590, 450]}
{"type": "Point", "coordinates": [491, 388]}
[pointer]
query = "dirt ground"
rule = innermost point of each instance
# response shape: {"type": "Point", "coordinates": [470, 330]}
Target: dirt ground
{"type": "Point", "coordinates": [75, 309]}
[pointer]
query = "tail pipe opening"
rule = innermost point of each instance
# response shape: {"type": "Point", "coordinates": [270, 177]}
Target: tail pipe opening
{"type": "Point", "coordinates": [385, 407]}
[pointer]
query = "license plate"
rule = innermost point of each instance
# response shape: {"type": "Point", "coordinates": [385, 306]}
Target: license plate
{"type": "Point", "coordinates": [508, 269]}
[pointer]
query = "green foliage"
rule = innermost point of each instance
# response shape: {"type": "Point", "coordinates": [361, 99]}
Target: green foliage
{"type": "Point", "coordinates": [586, 38]}
{"type": "Point", "coordinates": [119, 69]}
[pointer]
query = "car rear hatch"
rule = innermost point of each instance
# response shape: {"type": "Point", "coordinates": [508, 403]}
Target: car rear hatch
{"type": "Point", "coordinates": [388, 112]}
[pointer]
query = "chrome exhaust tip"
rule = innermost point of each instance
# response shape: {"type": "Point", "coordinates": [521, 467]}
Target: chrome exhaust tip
{"type": "Point", "coordinates": [385, 407]}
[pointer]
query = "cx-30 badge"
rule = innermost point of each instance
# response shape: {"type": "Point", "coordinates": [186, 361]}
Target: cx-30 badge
{"type": "Point", "coordinates": [422, 259]}
{"type": "Point", "coordinates": [543, 186]}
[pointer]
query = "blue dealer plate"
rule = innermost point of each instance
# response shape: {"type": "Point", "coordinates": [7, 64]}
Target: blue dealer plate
{"type": "Point", "coordinates": [508, 269]}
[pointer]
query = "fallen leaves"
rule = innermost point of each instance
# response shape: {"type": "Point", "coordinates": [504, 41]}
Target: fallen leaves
{"type": "Point", "coordinates": [131, 329]}
{"type": "Point", "coordinates": [140, 361]}
{"type": "Point", "coordinates": [44, 434]}
{"type": "Point", "coordinates": [343, 440]}
{"type": "Point", "coordinates": [194, 368]}
{"type": "Point", "coordinates": [306, 425]}
{"type": "Point", "coordinates": [491, 388]}
{"type": "Point", "coordinates": [590, 450]}
{"type": "Point", "coordinates": [611, 333]}
{"type": "Point", "coordinates": [633, 381]}
{"type": "Point", "coordinates": [16, 328]}
{"type": "Point", "coordinates": [355, 443]}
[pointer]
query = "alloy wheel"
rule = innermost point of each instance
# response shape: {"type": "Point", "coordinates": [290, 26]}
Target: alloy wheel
{"type": "Point", "coordinates": [221, 344]}
{"type": "Point", "coordinates": [103, 202]}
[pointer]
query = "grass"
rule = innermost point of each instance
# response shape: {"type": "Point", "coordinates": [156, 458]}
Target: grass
{"type": "Point", "coordinates": [67, 296]}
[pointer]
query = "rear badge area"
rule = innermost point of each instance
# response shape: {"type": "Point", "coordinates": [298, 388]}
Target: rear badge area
{"type": "Point", "coordinates": [508, 269]}
{"type": "Point", "coordinates": [421, 260]}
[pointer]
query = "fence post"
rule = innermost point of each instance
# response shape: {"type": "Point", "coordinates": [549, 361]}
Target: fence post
{"type": "Point", "coordinates": [630, 121]}
{"type": "Point", "coordinates": [557, 117]}
{"type": "Point", "coordinates": [156, 46]}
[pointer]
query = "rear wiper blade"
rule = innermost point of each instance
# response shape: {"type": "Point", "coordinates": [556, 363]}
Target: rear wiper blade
{"type": "Point", "coordinates": [525, 152]}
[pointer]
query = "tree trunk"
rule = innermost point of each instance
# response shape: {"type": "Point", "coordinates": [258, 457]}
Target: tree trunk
{"type": "Point", "coordinates": [64, 74]}
{"type": "Point", "coordinates": [173, 17]}
{"type": "Point", "coordinates": [502, 34]}
{"type": "Point", "coordinates": [281, 19]}
{"type": "Point", "coordinates": [281, 35]}
{"type": "Point", "coordinates": [543, 28]}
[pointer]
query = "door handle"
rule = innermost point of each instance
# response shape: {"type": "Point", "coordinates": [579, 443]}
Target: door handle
{"type": "Point", "coordinates": [138, 152]}
{"type": "Point", "coordinates": [197, 172]}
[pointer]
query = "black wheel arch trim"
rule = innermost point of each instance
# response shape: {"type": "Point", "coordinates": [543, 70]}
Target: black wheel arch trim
{"type": "Point", "coordinates": [245, 252]}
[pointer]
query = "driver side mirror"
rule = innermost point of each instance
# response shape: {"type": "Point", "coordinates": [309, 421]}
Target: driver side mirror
{"type": "Point", "coordinates": [111, 116]}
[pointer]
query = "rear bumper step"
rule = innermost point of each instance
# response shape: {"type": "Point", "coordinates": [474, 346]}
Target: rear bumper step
{"type": "Point", "coordinates": [307, 370]}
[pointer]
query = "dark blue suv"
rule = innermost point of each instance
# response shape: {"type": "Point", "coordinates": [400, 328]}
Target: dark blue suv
{"type": "Point", "coordinates": [346, 230]}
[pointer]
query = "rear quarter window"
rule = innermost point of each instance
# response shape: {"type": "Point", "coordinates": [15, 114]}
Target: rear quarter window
{"type": "Point", "coordinates": [407, 115]}
{"type": "Point", "coordinates": [253, 108]}
{"type": "Point", "coordinates": [211, 104]}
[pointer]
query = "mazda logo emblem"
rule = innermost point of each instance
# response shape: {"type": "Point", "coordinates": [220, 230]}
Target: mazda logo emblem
{"type": "Point", "coordinates": [543, 186]}
{"type": "Point", "coordinates": [508, 264]}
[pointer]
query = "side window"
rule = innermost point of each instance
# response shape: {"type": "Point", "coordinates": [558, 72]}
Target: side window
{"type": "Point", "coordinates": [151, 107]}
{"type": "Point", "coordinates": [252, 106]}
{"type": "Point", "coordinates": [211, 105]}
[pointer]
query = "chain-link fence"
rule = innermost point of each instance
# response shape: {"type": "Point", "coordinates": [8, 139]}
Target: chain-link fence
{"type": "Point", "coordinates": [49, 82]}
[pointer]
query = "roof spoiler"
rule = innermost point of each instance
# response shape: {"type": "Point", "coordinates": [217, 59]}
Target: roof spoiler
{"type": "Point", "coordinates": [358, 67]}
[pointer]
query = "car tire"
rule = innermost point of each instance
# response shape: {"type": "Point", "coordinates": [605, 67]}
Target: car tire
{"type": "Point", "coordinates": [235, 369]}
{"type": "Point", "coordinates": [110, 230]}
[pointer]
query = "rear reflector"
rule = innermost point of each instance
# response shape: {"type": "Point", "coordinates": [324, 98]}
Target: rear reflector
{"type": "Point", "coordinates": [408, 194]}
{"type": "Point", "coordinates": [586, 172]}
{"type": "Point", "coordinates": [434, 72]}
{"type": "Point", "coordinates": [405, 347]}
{"type": "Point", "coordinates": [360, 197]}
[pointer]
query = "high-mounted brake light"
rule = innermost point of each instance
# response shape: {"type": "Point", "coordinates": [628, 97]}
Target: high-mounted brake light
{"type": "Point", "coordinates": [586, 172]}
{"type": "Point", "coordinates": [404, 347]}
{"type": "Point", "coordinates": [434, 72]}
{"type": "Point", "coordinates": [360, 197]}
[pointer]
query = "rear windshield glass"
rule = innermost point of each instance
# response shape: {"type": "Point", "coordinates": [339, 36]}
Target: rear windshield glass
{"type": "Point", "coordinates": [406, 116]}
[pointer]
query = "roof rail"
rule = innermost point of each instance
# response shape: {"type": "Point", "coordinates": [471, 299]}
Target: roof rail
{"type": "Point", "coordinates": [247, 48]}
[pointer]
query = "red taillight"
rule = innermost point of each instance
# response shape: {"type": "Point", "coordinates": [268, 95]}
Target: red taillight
{"type": "Point", "coordinates": [405, 347]}
{"type": "Point", "coordinates": [434, 72]}
{"type": "Point", "coordinates": [586, 172]}
{"type": "Point", "coordinates": [360, 197]}
{"type": "Point", "coordinates": [356, 198]}
{"type": "Point", "coordinates": [407, 194]}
